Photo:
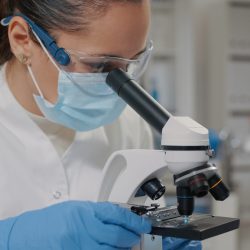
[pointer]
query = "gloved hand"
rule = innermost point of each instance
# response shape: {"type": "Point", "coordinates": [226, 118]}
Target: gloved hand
{"type": "Point", "coordinates": [180, 244]}
{"type": "Point", "coordinates": [74, 225]}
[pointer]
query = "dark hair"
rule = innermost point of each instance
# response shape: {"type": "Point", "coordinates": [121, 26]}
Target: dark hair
{"type": "Point", "coordinates": [52, 14]}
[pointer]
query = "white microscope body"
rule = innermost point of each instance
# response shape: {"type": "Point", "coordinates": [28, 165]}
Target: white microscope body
{"type": "Point", "coordinates": [131, 176]}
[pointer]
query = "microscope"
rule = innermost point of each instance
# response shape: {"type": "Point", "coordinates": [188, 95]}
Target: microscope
{"type": "Point", "coordinates": [130, 176]}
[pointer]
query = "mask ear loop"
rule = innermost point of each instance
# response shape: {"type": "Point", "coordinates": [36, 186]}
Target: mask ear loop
{"type": "Point", "coordinates": [49, 56]}
{"type": "Point", "coordinates": [30, 70]}
{"type": "Point", "coordinates": [35, 81]}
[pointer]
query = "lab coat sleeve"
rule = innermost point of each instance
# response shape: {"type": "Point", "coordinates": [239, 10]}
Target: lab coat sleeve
{"type": "Point", "coordinates": [129, 131]}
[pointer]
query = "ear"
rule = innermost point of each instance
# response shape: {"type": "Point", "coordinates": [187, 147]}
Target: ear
{"type": "Point", "coordinates": [19, 36]}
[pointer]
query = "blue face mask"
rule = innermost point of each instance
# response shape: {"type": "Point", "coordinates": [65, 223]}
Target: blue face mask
{"type": "Point", "coordinates": [85, 102]}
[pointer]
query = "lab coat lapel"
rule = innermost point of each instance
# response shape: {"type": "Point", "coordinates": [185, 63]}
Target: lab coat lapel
{"type": "Point", "coordinates": [84, 162]}
{"type": "Point", "coordinates": [32, 163]}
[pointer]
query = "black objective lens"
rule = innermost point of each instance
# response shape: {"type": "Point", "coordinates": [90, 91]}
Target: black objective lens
{"type": "Point", "coordinates": [198, 185]}
{"type": "Point", "coordinates": [185, 201]}
{"type": "Point", "coordinates": [217, 188]}
{"type": "Point", "coordinates": [154, 189]}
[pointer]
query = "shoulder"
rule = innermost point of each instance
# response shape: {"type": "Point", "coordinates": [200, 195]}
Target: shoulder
{"type": "Point", "coordinates": [131, 120]}
{"type": "Point", "coordinates": [130, 130]}
{"type": "Point", "coordinates": [130, 116]}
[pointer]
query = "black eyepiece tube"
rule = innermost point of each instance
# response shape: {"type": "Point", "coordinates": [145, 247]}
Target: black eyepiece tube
{"type": "Point", "coordinates": [138, 99]}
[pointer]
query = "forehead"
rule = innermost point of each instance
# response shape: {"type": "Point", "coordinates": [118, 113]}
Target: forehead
{"type": "Point", "coordinates": [122, 31]}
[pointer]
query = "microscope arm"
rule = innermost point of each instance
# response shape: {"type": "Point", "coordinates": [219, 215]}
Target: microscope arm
{"type": "Point", "coordinates": [127, 170]}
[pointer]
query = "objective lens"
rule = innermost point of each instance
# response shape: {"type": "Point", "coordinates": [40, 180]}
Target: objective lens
{"type": "Point", "coordinates": [185, 201]}
{"type": "Point", "coordinates": [198, 185]}
{"type": "Point", "coordinates": [217, 188]}
{"type": "Point", "coordinates": [154, 189]}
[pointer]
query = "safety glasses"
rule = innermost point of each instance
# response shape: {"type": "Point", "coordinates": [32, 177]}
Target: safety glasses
{"type": "Point", "coordinates": [82, 62]}
{"type": "Point", "coordinates": [74, 61]}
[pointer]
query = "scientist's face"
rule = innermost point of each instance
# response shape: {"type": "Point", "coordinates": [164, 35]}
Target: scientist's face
{"type": "Point", "coordinates": [121, 32]}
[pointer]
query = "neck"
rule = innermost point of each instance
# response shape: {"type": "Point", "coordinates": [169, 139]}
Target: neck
{"type": "Point", "coordinates": [21, 86]}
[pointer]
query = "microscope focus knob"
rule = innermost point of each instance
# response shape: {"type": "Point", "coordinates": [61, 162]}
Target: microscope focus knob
{"type": "Point", "coordinates": [154, 189]}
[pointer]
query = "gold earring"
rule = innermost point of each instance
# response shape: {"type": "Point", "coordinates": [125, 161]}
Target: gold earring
{"type": "Point", "coordinates": [22, 58]}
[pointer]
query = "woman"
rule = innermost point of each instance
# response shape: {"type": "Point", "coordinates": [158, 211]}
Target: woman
{"type": "Point", "coordinates": [60, 121]}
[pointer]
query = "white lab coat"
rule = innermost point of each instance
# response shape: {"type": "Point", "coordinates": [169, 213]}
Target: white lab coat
{"type": "Point", "coordinates": [32, 175]}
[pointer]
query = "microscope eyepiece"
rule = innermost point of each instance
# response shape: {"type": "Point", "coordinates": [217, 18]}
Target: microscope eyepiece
{"type": "Point", "coordinates": [217, 188]}
{"type": "Point", "coordinates": [154, 189]}
{"type": "Point", "coordinates": [198, 185]}
{"type": "Point", "coordinates": [138, 99]}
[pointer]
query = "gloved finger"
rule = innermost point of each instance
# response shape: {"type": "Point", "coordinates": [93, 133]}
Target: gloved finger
{"type": "Point", "coordinates": [171, 243]}
{"type": "Point", "coordinates": [115, 214]}
{"type": "Point", "coordinates": [112, 235]}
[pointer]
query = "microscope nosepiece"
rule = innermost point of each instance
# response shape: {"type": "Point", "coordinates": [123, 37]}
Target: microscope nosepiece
{"type": "Point", "coordinates": [198, 185]}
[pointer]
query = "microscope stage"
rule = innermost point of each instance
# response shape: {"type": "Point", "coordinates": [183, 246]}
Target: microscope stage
{"type": "Point", "coordinates": [200, 227]}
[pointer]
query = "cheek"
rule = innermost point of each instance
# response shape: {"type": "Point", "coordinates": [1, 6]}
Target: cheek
{"type": "Point", "coordinates": [46, 74]}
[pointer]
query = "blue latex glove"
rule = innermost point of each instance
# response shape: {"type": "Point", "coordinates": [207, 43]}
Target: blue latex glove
{"type": "Point", "coordinates": [74, 225]}
{"type": "Point", "coordinates": [180, 244]}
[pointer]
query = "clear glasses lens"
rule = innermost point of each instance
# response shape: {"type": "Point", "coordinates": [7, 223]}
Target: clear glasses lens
{"type": "Point", "coordinates": [90, 64]}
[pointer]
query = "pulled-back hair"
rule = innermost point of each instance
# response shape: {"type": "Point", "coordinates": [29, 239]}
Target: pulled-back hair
{"type": "Point", "coordinates": [66, 15]}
